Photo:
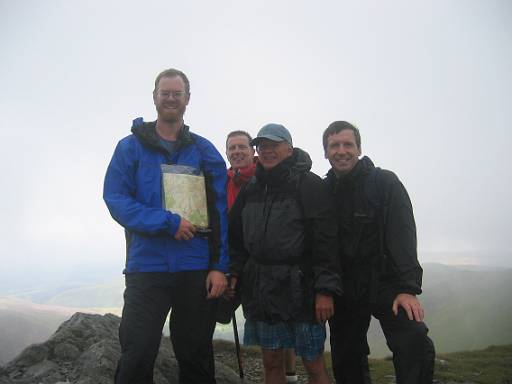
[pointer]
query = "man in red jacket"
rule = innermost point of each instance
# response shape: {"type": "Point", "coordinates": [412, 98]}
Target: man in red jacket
{"type": "Point", "coordinates": [240, 155]}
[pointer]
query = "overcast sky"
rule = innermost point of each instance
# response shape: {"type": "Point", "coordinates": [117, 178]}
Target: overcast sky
{"type": "Point", "coordinates": [429, 84]}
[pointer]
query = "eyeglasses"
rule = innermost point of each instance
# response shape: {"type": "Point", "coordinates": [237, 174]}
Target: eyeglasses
{"type": "Point", "coordinates": [268, 145]}
{"type": "Point", "coordinates": [174, 94]}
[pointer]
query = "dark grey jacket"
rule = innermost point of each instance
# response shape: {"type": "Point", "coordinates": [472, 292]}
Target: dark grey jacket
{"type": "Point", "coordinates": [377, 232]}
{"type": "Point", "coordinates": [282, 242]}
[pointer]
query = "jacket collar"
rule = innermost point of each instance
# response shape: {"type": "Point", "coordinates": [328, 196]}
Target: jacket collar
{"type": "Point", "coordinates": [147, 135]}
{"type": "Point", "coordinates": [242, 175]}
{"type": "Point", "coordinates": [299, 162]}
{"type": "Point", "coordinates": [361, 169]}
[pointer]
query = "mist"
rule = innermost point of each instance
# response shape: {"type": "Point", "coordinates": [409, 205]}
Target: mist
{"type": "Point", "coordinates": [428, 84]}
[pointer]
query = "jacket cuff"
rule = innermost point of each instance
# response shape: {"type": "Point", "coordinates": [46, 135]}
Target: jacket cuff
{"type": "Point", "coordinates": [329, 284]}
{"type": "Point", "coordinates": [219, 267]}
{"type": "Point", "coordinates": [324, 292]}
{"type": "Point", "coordinates": [407, 289]}
{"type": "Point", "coordinates": [173, 221]}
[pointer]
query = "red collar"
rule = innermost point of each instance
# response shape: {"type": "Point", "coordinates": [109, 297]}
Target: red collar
{"type": "Point", "coordinates": [242, 175]}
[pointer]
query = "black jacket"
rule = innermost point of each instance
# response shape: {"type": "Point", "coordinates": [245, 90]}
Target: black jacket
{"type": "Point", "coordinates": [377, 234]}
{"type": "Point", "coordinates": [282, 242]}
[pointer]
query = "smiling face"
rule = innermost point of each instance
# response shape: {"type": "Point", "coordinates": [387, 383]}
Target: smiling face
{"type": "Point", "coordinates": [271, 153]}
{"type": "Point", "coordinates": [171, 99]}
{"type": "Point", "coordinates": [342, 151]}
{"type": "Point", "coordinates": [239, 152]}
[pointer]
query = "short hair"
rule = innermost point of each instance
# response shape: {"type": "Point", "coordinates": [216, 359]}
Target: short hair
{"type": "Point", "coordinates": [239, 133]}
{"type": "Point", "coordinates": [171, 72]}
{"type": "Point", "coordinates": [338, 126]}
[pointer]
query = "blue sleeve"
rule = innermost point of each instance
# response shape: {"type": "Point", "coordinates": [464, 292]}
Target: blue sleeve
{"type": "Point", "coordinates": [120, 191]}
{"type": "Point", "coordinates": [214, 164]}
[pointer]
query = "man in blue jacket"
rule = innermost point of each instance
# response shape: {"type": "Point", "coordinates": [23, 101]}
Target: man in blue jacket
{"type": "Point", "coordinates": [169, 263]}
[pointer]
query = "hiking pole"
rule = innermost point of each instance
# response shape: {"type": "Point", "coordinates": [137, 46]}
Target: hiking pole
{"type": "Point", "coordinates": [237, 345]}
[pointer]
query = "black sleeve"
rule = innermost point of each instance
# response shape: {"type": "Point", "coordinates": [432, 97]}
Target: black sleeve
{"type": "Point", "coordinates": [237, 253]}
{"type": "Point", "coordinates": [322, 234]}
{"type": "Point", "coordinates": [400, 236]}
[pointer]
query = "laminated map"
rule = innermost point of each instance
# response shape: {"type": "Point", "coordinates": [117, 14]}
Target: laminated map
{"type": "Point", "coordinates": [185, 195]}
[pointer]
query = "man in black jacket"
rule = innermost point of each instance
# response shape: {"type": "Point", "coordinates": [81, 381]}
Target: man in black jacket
{"type": "Point", "coordinates": [381, 273]}
{"type": "Point", "coordinates": [283, 249]}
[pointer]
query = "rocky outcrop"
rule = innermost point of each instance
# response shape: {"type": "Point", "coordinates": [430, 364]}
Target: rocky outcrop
{"type": "Point", "coordinates": [85, 350]}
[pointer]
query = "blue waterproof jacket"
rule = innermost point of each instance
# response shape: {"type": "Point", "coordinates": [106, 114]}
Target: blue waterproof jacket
{"type": "Point", "coordinates": [133, 194]}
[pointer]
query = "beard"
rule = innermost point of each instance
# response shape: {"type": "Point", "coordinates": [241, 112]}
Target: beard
{"type": "Point", "coordinates": [171, 115]}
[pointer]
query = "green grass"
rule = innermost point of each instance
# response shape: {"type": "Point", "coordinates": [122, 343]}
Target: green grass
{"type": "Point", "coordinates": [492, 365]}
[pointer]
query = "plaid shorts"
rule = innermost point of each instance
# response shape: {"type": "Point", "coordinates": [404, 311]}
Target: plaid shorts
{"type": "Point", "coordinates": [307, 339]}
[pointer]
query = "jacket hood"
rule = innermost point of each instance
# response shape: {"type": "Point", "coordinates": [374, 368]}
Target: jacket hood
{"type": "Point", "coordinates": [303, 162]}
{"type": "Point", "coordinates": [363, 166]}
{"type": "Point", "coordinates": [146, 133]}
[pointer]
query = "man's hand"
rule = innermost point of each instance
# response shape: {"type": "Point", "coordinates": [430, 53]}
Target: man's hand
{"type": "Point", "coordinates": [410, 304]}
{"type": "Point", "coordinates": [215, 284]}
{"type": "Point", "coordinates": [185, 231]}
{"type": "Point", "coordinates": [324, 307]}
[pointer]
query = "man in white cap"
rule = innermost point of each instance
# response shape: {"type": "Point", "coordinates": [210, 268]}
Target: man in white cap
{"type": "Point", "coordinates": [283, 249]}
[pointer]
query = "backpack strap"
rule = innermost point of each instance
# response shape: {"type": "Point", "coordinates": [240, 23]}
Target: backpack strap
{"type": "Point", "coordinates": [374, 192]}
{"type": "Point", "coordinates": [373, 188]}
{"type": "Point", "coordinates": [297, 183]}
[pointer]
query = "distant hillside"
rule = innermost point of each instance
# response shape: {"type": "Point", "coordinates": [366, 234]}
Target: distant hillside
{"type": "Point", "coordinates": [106, 294]}
{"type": "Point", "coordinates": [23, 323]}
{"type": "Point", "coordinates": [467, 308]}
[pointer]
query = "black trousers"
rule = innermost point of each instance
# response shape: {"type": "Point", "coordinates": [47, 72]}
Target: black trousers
{"type": "Point", "coordinates": [148, 297]}
{"type": "Point", "coordinates": [413, 351]}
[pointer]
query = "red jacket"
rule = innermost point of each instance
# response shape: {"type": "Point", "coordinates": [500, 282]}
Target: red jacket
{"type": "Point", "coordinates": [237, 178]}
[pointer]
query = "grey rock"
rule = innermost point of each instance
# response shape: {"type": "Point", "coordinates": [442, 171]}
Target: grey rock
{"type": "Point", "coordinates": [225, 374]}
{"type": "Point", "coordinates": [85, 350]}
{"type": "Point", "coordinates": [32, 355]}
{"type": "Point", "coordinates": [42, 368]}
{"type": "Point", "coordinates": [66, 352]}
{"type": "Point", "coordinates": [441, 362]}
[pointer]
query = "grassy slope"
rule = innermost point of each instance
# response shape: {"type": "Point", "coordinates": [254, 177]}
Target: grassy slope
{"type": "Point", "coordinates": [492, 365]}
